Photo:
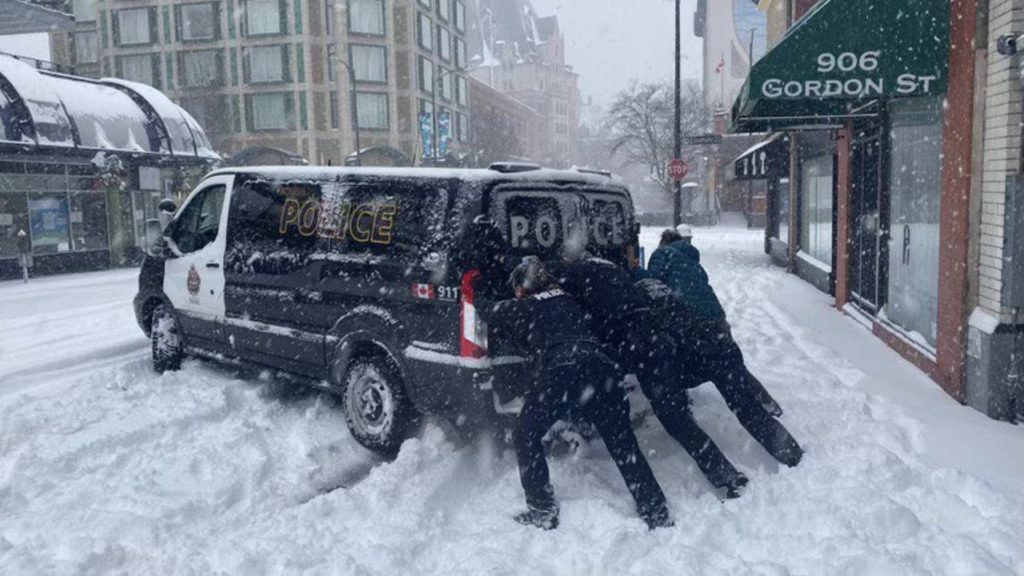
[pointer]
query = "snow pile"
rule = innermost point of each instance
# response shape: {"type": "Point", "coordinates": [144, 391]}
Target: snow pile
{"type": "Point", "coordinates": [112, 468]}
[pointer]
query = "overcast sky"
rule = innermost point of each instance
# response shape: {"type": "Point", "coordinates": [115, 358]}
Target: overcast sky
{"type": "Point", "coordinates": [610, 42]}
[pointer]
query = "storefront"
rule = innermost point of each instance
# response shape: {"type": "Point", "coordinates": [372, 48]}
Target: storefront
{"type": "Point", "coordinates": [83, 165]}
{"type": "Point", "coordinates": [859, 87]}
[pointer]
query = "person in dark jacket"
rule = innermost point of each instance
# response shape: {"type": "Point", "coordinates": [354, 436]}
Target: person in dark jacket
{"type": "Point", "coordinates": [708, 350]}
{"type": "Point", "coordinates": [637, 336]}
{"type": "Point", "coordinates": [575, 377]}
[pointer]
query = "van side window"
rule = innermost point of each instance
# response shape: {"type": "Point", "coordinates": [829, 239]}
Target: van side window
{"type": "Point", "coordinates": [199, 222]}
{"type": "Point", "coordinates": [274, 226]}
{"type": "Point", "coordinates": [402, 220]}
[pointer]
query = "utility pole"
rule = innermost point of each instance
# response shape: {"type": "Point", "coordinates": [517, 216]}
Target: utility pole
{"type": "Point", "coordinates": [677, 201]}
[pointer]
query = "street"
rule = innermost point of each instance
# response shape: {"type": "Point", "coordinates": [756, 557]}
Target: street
{"type": "Point", "coordinates": [106, 466]}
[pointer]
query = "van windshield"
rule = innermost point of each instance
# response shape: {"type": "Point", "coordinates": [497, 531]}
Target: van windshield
{"type": "Point", "coordinates": [555, 223]}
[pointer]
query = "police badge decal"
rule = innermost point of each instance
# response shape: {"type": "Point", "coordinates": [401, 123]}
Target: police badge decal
{"type": "Point", "coordinates": [193, 283]}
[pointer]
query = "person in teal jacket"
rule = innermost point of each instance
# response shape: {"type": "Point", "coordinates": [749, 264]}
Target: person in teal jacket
{"type": "Point", "coordinates": [711, 353]}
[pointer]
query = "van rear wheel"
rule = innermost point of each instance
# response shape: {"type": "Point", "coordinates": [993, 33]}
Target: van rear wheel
{"type": "Point", "coordinates": [377, 410]}
{"type": "Point", "coordinates": [165, 338]}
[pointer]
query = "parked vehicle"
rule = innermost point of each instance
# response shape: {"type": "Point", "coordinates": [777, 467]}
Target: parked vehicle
{"type": "Point", "coordinates": [349, 278]}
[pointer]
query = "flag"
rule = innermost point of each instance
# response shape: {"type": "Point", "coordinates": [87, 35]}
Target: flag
{"type": "Point", "coordinates": [423, 291]}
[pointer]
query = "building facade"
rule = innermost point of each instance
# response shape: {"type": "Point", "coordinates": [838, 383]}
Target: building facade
{"type": "Point", "coordinates": [83, 165]}
{"type": "Point", "coordinates": [896, 192]}
{"type": "Point", "coordinates": [291, 75]}
{"type": "Point", "coordinates": [41, 33]}
{"type": "Point", "coordinates": [734, 35]}
{"type": "Point", "coordinates": [503, 128]}
{"type": "Point", "coordinates": [522, 55]}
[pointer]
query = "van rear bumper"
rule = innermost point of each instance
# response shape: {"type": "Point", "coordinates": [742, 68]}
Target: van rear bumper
{"type": "Point", "coordinates": [477, 385]}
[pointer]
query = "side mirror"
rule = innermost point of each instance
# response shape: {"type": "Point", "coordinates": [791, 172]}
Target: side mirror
{"type": "Point", "coordinates": [154, 240]}
{"type": "Point", "coordinates": [166, 208]}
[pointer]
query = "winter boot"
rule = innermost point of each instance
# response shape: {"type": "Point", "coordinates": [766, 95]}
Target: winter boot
{"type": "Point", "coordinates": [544, 519]}
{"type": "Point", "coordinates": [657, 518]}
{"type": "Point", "coordinates": [735, 485]}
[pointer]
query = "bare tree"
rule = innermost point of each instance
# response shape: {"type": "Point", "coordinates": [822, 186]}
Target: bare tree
{"type": "Point", "coordinates": [641, 123]}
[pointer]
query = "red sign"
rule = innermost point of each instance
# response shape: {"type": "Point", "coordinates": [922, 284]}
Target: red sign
{"type": "Point", "coordinates": [678, 169]}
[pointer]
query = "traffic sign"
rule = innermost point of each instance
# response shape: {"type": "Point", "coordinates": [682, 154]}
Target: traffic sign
{"type": "Point", "coordinates": [678, 169]}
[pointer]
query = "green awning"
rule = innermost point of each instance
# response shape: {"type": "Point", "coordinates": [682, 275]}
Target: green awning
{"type": "Point", "coordinates": [842, 55]}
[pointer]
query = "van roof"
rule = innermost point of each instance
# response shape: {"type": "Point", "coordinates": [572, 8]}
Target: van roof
{"type": "Point", "coordinates": [469, 175]}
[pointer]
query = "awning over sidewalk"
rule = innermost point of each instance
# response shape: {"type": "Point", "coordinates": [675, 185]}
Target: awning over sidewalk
{"type": "Point", "coordinates": [843, 54]}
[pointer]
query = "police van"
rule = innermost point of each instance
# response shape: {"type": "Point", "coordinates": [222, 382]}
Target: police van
{"type": "Point", "coordinates": [350, 279]}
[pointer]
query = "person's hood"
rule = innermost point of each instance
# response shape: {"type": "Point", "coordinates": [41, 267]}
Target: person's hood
{"type": "Point", "coordinates": [686, 249]}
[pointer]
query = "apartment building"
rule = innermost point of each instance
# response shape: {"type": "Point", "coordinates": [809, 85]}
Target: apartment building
{"type": "Point", "coordinates": [304, 79]}
{"type": "Point", "coordinates": [522, 55]}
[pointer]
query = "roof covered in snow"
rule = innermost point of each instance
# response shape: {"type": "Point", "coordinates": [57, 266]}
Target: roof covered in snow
{"type": "Point", "coordinates": [73, 112]}
{"type": "Point", "coordinates": [511, 25]}
{"type": "Point", "coordinates": [17, 17]}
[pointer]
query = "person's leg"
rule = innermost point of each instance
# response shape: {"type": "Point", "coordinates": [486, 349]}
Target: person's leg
{"type": "Point", "coordinates": [608, 411]}
{"type": "Point", "coordinates": [538, 415]}
{"type": "Point", "coordinates": [731, 351]}
{"type": "Point", "coordinates": [732, 384]}
{"type": "Point", "coordinates": [672, 409]}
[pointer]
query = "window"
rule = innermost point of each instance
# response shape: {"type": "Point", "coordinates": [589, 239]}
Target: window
{"type": "Point", "coordinates": [138, 68]}
{"type": "Point", "coordinates": [270, 111]}
{"type": "Point", "coordinates": [256, 243]}
{"type": "Point", "coordinates": [444, 43]}
{"type": "Point", "coordinates": [445, 79]}
{"type": "Point", "coordinates": [460, 53]}
{"type": "Point", "coordinates": [201, 69]}
{"type": "Point", "coordinates": [372, 110]}
{"type": "Point", "coordinates": [84, 10]}
{"type": "Point", "coordinates": [199, 222]}
{"type": "Point", "coordinates": [263, 17]}
{"type": "Point", "coordinates": [366, 17]}
{"type": "Point", "coordinates": [267, 64]}
{"type": "Point", "coordinates": [335, 112]}
{"type": "Point", "coordinates": [424, 32]}
{"type": "Point", "coordinates": [211, 112]}
{"type": "Point", "coordinates": [369, 63]}
{"type": "Point", "coordinates": [48, 218]}
{"type": "Point", "coordinates": [425, 3]}
{"type": "Point", "coordinates": [133, 27]}
{"type": "Point", "coordinates": [88, 221]}
{"type": "Point", "coordinates": [329, 17]}
{"type": "Point", "coordinates": [462, 91]}
{"type": "Point", "coordinates": [415, 212]}
{"type": "Point", "coordinates": [426, 69]}
{"type": "Point", "coordinates": [461, 127]}
{"type": "Point", "coordinates": [13, 216]}
{"type": "Point", "coordinates": [816, 208]}
{"type": "Point", "coordinates": [198, 22]}
{"type": "Point", "coordinates": [444, 9]}
{"type": "Point", "coordinates": [460, 16]}
{"type": "Point", "coordinates": [332, 62]}
{"type": "Point", "coordinates": [86, 47]}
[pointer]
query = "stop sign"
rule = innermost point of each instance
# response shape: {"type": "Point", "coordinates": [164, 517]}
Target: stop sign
{"type": "Point", "coordinates": [678, 169]}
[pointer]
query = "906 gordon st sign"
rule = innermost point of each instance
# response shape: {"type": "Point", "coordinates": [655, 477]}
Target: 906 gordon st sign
{"type": "Point", "coordinates": [866, 82]}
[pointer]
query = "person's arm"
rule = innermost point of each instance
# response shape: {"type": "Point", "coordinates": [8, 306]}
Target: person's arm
{"type": "Point", "coordinates": [657, 267]}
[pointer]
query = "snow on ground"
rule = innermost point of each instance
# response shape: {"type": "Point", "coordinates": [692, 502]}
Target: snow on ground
{"type": "Point", "coordinates": [107, 467]}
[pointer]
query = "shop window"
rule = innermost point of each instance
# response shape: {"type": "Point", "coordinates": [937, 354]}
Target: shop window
{"type": "Point", "coordinates": [816, 209]}
{"type": "Point", "coordinates": [372, 110]}
{"type": "Point", "coordinates": [263, 17]}
{"type": "Point", "coordinates": [48, 222]}
{"type": "Point", "coordinates": [915, 170]}
{"type": "Point", "coordinates": [13, 218]}
{"type": "Point", "coordinates": [366, 17]}
{"type": "Point", "coordinates": [88, 221]}
{"type": "Point", "coordinates": [782, 214]}
{"type": "Point", "coordinates": [86, 47]}
{"type": "Point", "coordinates": [369, 63]}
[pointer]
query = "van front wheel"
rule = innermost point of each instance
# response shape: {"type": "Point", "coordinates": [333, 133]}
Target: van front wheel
{"type": "Point", "coordinates": [377, 410]}
{"type": "Point", "coordinates": [165, 338]}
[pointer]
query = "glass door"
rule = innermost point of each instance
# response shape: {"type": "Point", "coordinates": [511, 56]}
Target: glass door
{"type": "Point", "coordinates": [868, 232]}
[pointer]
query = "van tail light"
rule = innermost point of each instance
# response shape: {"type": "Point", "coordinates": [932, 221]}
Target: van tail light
{"type": "Point", "coordinates": [473, 336]}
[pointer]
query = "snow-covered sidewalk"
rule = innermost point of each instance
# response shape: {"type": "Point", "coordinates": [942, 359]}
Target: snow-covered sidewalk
{"type": "Point", "coordinates": [106, 467]}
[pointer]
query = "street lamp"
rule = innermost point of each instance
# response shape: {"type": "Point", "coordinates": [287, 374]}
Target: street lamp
{"type": "Point", "coordinates": [433, 111]}
{"type": "Point", "coordinates": [355, 107]}
{"type": "Point", "coordinates": [677, 204]}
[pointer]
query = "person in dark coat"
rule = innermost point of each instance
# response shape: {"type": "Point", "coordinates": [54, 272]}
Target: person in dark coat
{"type": "Point", "coordinates": [637, 336]}
{"type": "Point", "coordinates": [708, 350]}
{"type": "Point", "coordinates": [575, 378]}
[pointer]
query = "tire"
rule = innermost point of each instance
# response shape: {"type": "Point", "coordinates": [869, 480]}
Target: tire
{"type": "Point", "coordinates": [377, 410]}
{"type": "Point", "coordinates": [165, 338]}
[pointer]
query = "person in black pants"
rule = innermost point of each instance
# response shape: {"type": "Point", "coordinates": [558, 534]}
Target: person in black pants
{"type": "Point", "coordinates": [575, 377]}
{"type": "Point", "coordinates": [637, 336]}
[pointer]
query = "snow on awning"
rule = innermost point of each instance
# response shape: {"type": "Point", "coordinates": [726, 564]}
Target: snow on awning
{"type": "Point", "coordinates": [112, 114]}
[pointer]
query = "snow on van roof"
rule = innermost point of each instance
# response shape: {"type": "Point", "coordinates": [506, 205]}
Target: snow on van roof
{"type": "Point", "coordinates": [464, 174]}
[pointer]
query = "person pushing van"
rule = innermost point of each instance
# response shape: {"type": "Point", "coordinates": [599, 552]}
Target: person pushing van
{"type": "Point", "coordinates": [574, 377]}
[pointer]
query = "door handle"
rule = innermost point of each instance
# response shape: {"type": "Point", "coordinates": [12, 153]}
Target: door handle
{"type": "Point", "coordinates": [213, 264]}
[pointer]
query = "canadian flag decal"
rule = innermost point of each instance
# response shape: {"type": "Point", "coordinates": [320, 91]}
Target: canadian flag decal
{"type": "Point", "coordinates": [423, 291]}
